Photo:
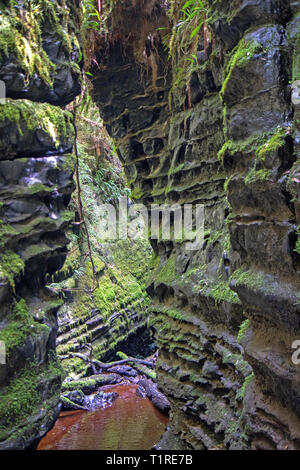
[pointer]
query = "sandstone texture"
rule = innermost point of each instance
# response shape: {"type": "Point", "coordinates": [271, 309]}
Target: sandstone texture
{"type": "Point", "coordinates": [227, 314]}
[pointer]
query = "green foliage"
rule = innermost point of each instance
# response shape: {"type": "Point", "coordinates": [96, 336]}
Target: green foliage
{"type": "Point", "coordinates": [257, 175]}
{"type": "Point", "coordinates": [188, 19]}
{"type": "Point", "coordinates": [243, 329]}
{"type": "Point", "coordinates": [221, 292]}
{"type": "Point", "coordinates": [11, 265]}
{"type": "Point", "coordinates": [260, 146]}
{"type": "Point", "coordinates": [107, 186]}
{"type": "Point", "coordinates": [20, 326]}
{"type": "Point", "coordinates": [240, 395]}
{"type": "Point", "coordinates": [6, 232]}
{"type": "Point", "coordinates": [167, 273]}
{"type": "Point", "coordinates": [91, 18]}
{"type": "Point", "coordinates": [51, 119]}
{"type": "Point", "coordinates": [20, 399]}
{"type": "Point", "coordinates": [253, 280]}
{"type": "Point", "coordinates": [240, 56]}
{"type": "Point", "coordinates": [274, 142]}
{"type": "Point", "coordinates": [21, 34]}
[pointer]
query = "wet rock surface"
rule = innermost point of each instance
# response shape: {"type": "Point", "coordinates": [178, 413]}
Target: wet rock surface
{"type": "Point", "coordinates": [225, 315]}
{"type": "Point", "coordinates": [76, 400]}
{"type": "Point", "coordinates": [36, 183]}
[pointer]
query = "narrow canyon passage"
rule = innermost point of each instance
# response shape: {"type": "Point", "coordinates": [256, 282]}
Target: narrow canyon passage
{"type": "Point", "coordinates": [150, 224]}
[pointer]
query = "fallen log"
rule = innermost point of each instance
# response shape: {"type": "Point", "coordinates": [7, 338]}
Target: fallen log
{"type": "Point", "coordinates": [108, 365]}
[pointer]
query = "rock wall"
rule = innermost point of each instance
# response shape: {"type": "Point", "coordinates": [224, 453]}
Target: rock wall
{"type": "Point", "coordinates": [38, 62]}
{"type": "Point", "coordinates": [225, 315]}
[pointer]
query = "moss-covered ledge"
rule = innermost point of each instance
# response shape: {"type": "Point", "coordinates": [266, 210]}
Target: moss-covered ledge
{"type": "Point", "coordinates": [37, 129]}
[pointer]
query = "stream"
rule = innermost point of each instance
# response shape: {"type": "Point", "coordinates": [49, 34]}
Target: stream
{"type": "Point", "coordinates": [130, 423]}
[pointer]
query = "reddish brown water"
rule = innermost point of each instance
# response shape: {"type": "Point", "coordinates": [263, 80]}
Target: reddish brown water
{"type": "Point", "coordinates": [131, 423]}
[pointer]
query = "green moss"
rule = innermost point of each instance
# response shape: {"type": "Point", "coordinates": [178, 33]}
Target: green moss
{"type": "Point", "coordinates": [143, 369]}
{"type": "Point", "coordinates": [243, 330]}
{"type": "Point", "coordinates": [214, 236]}
{"type": "Point", "coordinates": [253, 280]}
{"type": "Point", "coordinates": [260, 145]}
{"type": "Point", "coordinates": [274, 142]}
{"type": "Point", "coordinates": [86, 385]}
{"type": "Point", "coordinates": [21, 34]}
{"type": "Point", "coordinates": [117, 291]}
{"type": "Point", "coordinates": [23, 39]}
{"type": "Point", "coordinates": [51, 119]}
{"type": "Point", "coordinates": [20, 326]}
{"type": "Point", "coordinates": [240, 395]}
{"type": "Point", "coordinates": [169, 312]}
{"type": "Point", "coordinates": [6, 232]}
{"type": "Point", "coordinates": [40, 188]}
{"type": "Point", "coordinates": [249, 145]}
{"type": "Point", "coordinates": [136, 193]}
{"type": "Point", "coordinates": [221, 292]}
{"type": "Point", "coordinates": [154, 260]}
{"type": "Point", "coordinates": [257, 175]}
{"type": "Point", "coordinates": [69, 162]}
{"type": "Point", "coordinates": [11, 265]}
{"type": "Point", "coordinates": [240, 57]}
{"type": "Point", "coordinates": [132, 257]}
{"type": "Point", "coordinates": [167, 273]}
{"type": "Point", "coordinates": [21, 399]}
{"type": "Point", "coordinates": [175, 170]}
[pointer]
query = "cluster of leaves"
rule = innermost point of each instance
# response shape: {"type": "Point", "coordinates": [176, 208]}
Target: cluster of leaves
{"type": "Point", "coordinates": [188, 19]}
{"type": "Point", "coordinates": [95, 14]}
{"type": "Point", "coordinates": [107, 183]}
{"type": "Point", "coordinates": [22, 325]}
{"type": "Point", "coordinates": [91, 16]}
{"type": "Point", "coordinates": [101, 181]}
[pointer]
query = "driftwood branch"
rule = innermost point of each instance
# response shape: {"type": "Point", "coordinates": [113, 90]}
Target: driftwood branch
{"type": "Point", "coordinates": [104, 365]}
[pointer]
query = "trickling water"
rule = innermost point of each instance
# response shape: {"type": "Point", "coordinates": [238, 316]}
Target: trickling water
{"type": "Point", "coordinates": [130, 423]}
